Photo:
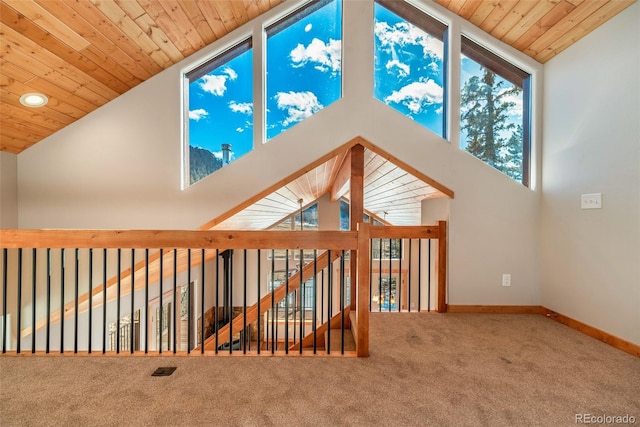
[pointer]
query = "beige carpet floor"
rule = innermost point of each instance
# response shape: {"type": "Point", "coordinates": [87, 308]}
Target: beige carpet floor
{"type": "Point", "coordinates": [424, 369]}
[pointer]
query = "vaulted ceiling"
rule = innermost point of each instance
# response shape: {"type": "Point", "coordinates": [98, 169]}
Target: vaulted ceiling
{"type": "Point", "coordinates": [84, 53]}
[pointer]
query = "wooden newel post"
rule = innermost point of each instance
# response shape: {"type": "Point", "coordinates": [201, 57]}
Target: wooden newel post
{"type": "Point", "coordinates": [362, 309]}
{"type": "Point", "coordinates": [442, 267]}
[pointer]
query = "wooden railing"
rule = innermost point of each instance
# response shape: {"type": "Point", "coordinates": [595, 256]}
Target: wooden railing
{"type": "Point", "coordinates": [64, 290]}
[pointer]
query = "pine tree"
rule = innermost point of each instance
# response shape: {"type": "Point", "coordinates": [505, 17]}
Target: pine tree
{"type": "Point", "coordinates": [485, 118]}
{"type": "Point", "coordinates": [513, 154]}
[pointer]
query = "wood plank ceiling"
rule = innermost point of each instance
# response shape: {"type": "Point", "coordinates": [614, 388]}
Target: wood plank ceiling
{"type": "Point", "coordinates": [84, 53]}
{"type": "Point", "coordinates": [391, 194]}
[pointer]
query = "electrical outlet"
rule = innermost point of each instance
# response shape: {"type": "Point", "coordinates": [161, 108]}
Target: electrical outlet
{"type": "Point", "coordinates": [506, 280]}
{"type": "Point", "coordinates": [591, 201]}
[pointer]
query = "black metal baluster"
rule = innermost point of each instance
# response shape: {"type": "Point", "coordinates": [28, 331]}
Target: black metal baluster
{"type": "Point", "coordinates": [429, 276]}
{"type": "Point", "coordinates": [133, 290]}
{"type": "Point", "coordinates": [390, 276]}
{"type": "Point", "coordinates": [62, 263]}
{"type": "Point", "coordinates": [161, 316]}
{"type": "Point", "coordinates": [322, 296]}
{"type": "Point", "coordinates": [286, 305]}
{"type": "Point", "coordinates": [370, 273]}
{"type": "Point", "coordinates": [189, 290]}
{"type": "Point", "coordinates": [119, 266]}
{"type": "Point", "coordinates": [90, 298]}
{"type": "Point", "coordinates": [419, 274]}
{"type": "Point", "coordinates": [48, 332]}
{"type": "Point", "coordinates": [273, 308]}
{"type": "Point", "coordinates": [75, 303]}
{"type": "Point", "coordinates": [19, 303]}
{"type": "Point", "coordinates": [244, 303]}
{"type": "Point", "coordinates": [315, 297]}
{"type": "Point", "coordinates": [259, 338]}
{"type": "Point", "coordinates": [175, 310]}
{"type": "Point", "coordinates": [329, 302]}
{"type": "Point", "coordinates": [341, 303]}
{"type": "Point", "coordinates": [379, 275]}
{"type": "Point", "coordinates": [301, 304]}
{"type": "Point", "coordinates": [104, 300]}
{"type": "Point", "coordinates": [399, 284]}
{"type": "Point", "coordinates": [146, 300]}
{"type": "Point", "coordinates": [4, 300]}
{"type": "Point", "coordinates": [19, 323]}
{"type": "Point", "coordinates": [409, 279]}
{"type": "Point", "coordinates": [33, 300]}
{"type": "Point", "coordinates": [214, 312]}
{"type": "Point", "coordinates": [230, 284]}
{"type": "Point", "coordinates": [202, 303]}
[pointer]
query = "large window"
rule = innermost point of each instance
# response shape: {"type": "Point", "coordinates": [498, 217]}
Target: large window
{"type": "Point", "coordinates": [409, 64]}
{"type": "Point", "coordinates": [494, 113]}
{"type": "Point", "coordinates": [304, 64]}
{"type": "Point", "coordinates": [220, 116]}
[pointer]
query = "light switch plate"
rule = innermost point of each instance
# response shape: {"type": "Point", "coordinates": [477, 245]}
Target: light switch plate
{"type": "Point", "coordinates": [591, 201]}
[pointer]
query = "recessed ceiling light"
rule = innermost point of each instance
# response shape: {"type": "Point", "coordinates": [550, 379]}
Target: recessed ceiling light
{"type": "Point", "coordinates": [33, 100]}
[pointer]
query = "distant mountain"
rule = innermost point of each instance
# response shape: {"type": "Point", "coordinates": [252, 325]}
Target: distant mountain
{"type": "Point", "coordinates": [202, 163]}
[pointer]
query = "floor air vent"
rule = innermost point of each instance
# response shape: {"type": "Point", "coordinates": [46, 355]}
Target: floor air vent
{"type": "Point", "coordinates": [164, 372]}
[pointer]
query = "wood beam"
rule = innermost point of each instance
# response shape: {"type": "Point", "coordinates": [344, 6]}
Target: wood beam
{"type": "Point", "coordinates": [356, 190]}
{"type": "Point", "coordinates": [442, 267]}
{"type": "Point", "coordinates": [340, 183]}
{"type": "Point", "coordinates": [362, 308]}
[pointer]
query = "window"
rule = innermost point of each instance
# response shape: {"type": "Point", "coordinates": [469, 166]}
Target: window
{"type": "Point", "coordinates": [278, 278]}
{"type": "Point", "coordinates": [309, 222]}
{"type": "Point", "coordinates": [494, 111]}
{"type": "Point", "coordinates": [345, 214]}
{"type": "Point", "coordinates": [386, 248]}
{"type": "Point", "coordinates": [409, 65]}
{"type": "Point", "coordinates": [220, 112]}
{"type": "Point", "coordinates": [304, 64]}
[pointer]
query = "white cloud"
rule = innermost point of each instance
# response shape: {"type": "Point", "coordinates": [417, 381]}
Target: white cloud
{"type": "Point", "coordinates": [308, 28]}
{"type": "Point", "coordinates": [298, 105]}
{"type": "Point", "coordinates": [239, 130]}
{"type": "Point", "coordinates": [403, 33]}
{"type": "Point", "coordinates": [230, 72]}
{"type": "Point", "coordinates": [415, 96]}
{"type": "Point", "coordinates": [217, 84]}
{"type": "Point", "coordinates": [198, 114]}
{"type": "Point", "coordinates": [403, 69]}
{"type": "Point", "coordinates": [326, 57]}
{"type": "Point", "coordinates": [241, 107]}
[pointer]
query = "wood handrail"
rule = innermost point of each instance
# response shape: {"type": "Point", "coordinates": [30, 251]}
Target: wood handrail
{"type": "Point", "coordinates": [210, 239]}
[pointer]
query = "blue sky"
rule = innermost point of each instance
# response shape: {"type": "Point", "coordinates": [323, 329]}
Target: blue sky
{"type": "Point", "coordinates": [221, 107]}
{"type": "Point", "coordinates": [408, 69]}
{"type": "Point", "coordinates": [304, 69]}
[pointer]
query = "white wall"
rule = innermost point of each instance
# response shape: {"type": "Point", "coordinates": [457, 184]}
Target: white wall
{"type": "Point", "coordinates": [8, 190]}
{"type": "Point", "coordinates": [591, 258]}
{"type": "Point", "coordinates": [120, 166]}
